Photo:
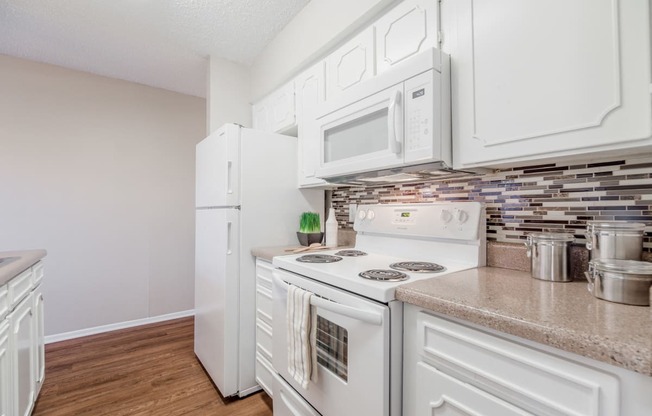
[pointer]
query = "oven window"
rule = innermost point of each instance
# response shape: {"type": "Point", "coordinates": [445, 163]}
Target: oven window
{"type": "Point", "coordinates": [333, 347]}
{"type": "Point", "coordinates": [361, 136]}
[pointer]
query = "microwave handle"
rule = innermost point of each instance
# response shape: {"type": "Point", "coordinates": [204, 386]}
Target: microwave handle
{"type": "Point", "coordinates": [394, 137]}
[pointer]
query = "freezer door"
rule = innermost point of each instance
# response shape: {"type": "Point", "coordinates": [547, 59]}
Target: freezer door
{"type": "Point", "coordinates": [218, 169]}
{"type": "Point", "coordinates": [216, 296]}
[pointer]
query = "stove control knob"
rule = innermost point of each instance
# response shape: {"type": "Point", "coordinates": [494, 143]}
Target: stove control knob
{"type": "Point", "coordinates": [446, 216]}
{"type": "Point", "coordinates": [462, 216]}
{"type": "Point", "coordinates": [362, 214]}
{"type": "Point", "coordinates": [371, 215]}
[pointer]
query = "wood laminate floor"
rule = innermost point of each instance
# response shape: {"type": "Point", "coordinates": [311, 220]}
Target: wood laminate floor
{"type": "Point", "coordinates": [146, 370]}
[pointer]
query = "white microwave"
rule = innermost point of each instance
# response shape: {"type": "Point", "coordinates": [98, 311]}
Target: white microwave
{"type": "Point", "coordinates": [399, 119]}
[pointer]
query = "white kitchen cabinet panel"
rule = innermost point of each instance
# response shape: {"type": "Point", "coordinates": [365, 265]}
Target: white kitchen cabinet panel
{"type": "Point", "coordinates": [23, 347]}
{"type": "Point", "coordinates": [276, 112]}
{"type": "Point", "coordinates": [439, 394]}
{"type": "Point", "coordinates": [310, 92]}
{"type": "Point", "coordinates": [404, 31]}
{"type": "Point", "coordinates": [452, 367]}
{"type": "Point", "coordinates": [264, 370]}
{"type": "Point", "coordinates": [543, 78]}
{"type": "Point", "coordinates": [6, 376]}
{"type": "Point", "coordinates": [39, 338]}
{"type": "Point", "coordinates": [351, 64]}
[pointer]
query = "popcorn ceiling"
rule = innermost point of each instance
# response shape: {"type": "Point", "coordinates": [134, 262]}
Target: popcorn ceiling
{"type": "Point", "coordinates": [161, 43]}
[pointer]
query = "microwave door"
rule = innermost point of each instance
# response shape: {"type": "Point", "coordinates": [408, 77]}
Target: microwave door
{"type": "Point", "coordinates": [363, 136]}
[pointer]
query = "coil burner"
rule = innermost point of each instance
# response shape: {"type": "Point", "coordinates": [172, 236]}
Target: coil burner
{"type": "Point", "coordinates": [418, 267]}
{"type": "Point", "coordinates": [318, 258]}
{"type": "Point", "coordinates": [384, 275]}
{"type": "Point", "coordinates": [350, 253]}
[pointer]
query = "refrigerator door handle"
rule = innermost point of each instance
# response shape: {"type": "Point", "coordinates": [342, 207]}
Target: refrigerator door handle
{"type": "Point", "coordinates": [228, 177]}
{"type": "Point", "coordinates": [228, 238]}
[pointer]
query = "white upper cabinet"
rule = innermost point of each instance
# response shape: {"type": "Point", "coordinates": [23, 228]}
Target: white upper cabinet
{"type": "Point", "coordinates": [404, 31]}
{"type": "Point", "coordinates": [276, 112]}
{"type": "Point", "coordinates": [351, 64]}
{"type": "Point", "coordinates": [310, 92]}
{"type": "Point", "coordinates": [543, 78]}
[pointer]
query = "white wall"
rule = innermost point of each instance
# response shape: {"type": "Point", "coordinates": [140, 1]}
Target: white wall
{"type": "Point", "coordinates": [228, 94]}
{"type": "Point", "coordinates": [319, 26]}
{"type": "Point", "coordinates": [100, 173]}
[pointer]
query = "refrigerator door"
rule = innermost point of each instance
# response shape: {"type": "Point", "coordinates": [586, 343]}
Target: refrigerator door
{"type": "Point", "coordinates": [218, 168]}
{"type": "Point", "coordinates": [216, 296]}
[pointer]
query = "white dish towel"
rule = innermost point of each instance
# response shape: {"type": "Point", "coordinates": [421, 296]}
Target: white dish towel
{"type": "Point", "coordinates": [301, 336]}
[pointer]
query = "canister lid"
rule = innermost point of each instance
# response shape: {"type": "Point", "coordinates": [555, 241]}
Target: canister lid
{"type": "Point", "coordinates": [623, 266]}
{"type": "Point", "coordinates": [615, 225]}
{"type": "Point", "coordinates": [539, 237]}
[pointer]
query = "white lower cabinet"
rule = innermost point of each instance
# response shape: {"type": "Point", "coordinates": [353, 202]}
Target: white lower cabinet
{"type": "Point", "coordinates": [451, 368]}
{"type": "Point", "coordinates": [22, 344]}
{"type": "Point", "coordinates": [23, 352]}
{"type": "Point", "coordinates": [264, 370]}
{"type": "Point", "coordinates": [6, 378]}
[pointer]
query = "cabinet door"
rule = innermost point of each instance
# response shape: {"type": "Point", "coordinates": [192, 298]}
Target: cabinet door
{"type": "Point", "coordinates": [281, 110]}
{"type": "Point", "coordinates": [310, 93]}
{"type": "Point", "coordinates": [548, 78]}
{"type": "Point", "coordinates": [23, 351]}
{"type": "Point", "coordinates": [442, 395]}
{"type": "Point", "coordinates": [6, 377]}
{"type": "Point", "coordinates": [404, 31]}
{"type": "Point", "coordinates": [39, 338]}
{"type": "Point", "coordinates": [351, 64]}
{"type": "Point", "coordinates": [259, 115]}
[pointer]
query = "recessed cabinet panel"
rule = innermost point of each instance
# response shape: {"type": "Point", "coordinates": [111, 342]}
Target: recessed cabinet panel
{"type": "Point", "coordinates": [39, 353]}
{"type": "Point", "coordinates": [6, 377]}
{"type": "Point", "coordinates": [442, 395]}
{"type": "Point", "coordinates": [282, 110]}
{"type": "Point", "coordinates": [351, 64]}
{"type": "Point", "coordinates": [542, 77]}
{"type": "Point", "coordinates": [23, 347]}
{"type": "Point", "coordinates": [405, 31]}
{"type": "Point", "coordinates": [310, 92]}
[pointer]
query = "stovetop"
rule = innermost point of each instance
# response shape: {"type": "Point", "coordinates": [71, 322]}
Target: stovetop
{"type": "Point", "coordinates": [344, 274]}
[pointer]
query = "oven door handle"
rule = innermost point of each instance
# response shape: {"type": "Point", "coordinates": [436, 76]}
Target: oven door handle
{"type": "Point", "coordinates": [369, 317]}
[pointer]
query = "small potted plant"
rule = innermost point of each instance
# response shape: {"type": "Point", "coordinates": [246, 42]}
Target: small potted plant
{"type": "Point", "coordinates": [309, 229]}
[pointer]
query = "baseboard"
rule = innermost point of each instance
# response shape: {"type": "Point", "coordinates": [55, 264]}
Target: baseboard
{"type": "Point", "coordinates": [120, 325]}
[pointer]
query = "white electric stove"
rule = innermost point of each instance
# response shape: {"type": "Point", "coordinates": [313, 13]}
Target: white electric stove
{"type": "Point", "coordinates": [359, 346]}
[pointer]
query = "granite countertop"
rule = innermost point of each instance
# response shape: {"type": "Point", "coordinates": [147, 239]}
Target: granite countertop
{"type": "Point", "coordinates": [24, 259]}
{"type": "Point", "coordinates": [561, 315]}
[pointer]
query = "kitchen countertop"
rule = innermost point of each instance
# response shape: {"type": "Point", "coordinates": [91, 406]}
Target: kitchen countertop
{"type": "Point", "coordinates": [561, 315]}
{"type": "Point", "coordinates": [266, 253]}
{"type": "Point", "coordinates": [25, 259]}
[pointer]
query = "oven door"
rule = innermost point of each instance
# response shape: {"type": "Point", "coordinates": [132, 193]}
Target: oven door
{"type": "Point", "coordinates": [352, 349]}
{"type": "Point", "coordinates": [366, 135]}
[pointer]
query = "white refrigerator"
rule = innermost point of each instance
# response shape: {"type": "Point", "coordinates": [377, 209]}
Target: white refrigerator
{"type": "Point", "coordinates": [246, 196]}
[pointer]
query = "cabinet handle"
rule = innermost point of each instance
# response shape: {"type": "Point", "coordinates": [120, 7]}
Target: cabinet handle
{"type": "Point", "coordinates": [394, 138]}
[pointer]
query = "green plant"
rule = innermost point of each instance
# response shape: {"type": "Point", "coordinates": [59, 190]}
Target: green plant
{"type": "Point", "coordinates": [309, 223]}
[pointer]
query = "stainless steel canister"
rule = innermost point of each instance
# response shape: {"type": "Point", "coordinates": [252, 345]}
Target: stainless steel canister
{"type": "Point", "coordinates": [622, 281]}
{"type": "Point", "coordinates": [550, 256]}
{"type": "Point", "coordinates": [615, 240]}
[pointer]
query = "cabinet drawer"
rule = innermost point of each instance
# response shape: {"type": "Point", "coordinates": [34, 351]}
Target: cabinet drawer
{"type": "Point", "coordinates": [438, 392]}
{"type": "Point", "coordinates": [4, 301]}
{"type": "Point", "coordinates": [264, 305]}
{"type": "Point", "coordinates": [530, 379]}
{"type": "Point", "coordinates": [264, 339]}
{"type": "Point", "coordinates": [37, 273]}
{"type": "Point", "coordinates": [19, 287]}
{"type": "Point", "coordinates": [264, 374]}
{"type": "Point", "coordinates": [264, 274]}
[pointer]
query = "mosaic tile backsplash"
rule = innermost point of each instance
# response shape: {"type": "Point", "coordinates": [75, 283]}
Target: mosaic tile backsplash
{"type": "Point", "coordinates": [546, 197]}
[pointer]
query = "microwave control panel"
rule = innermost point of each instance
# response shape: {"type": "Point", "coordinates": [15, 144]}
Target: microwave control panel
{"type": "Point", "coordinates": [420, 114]}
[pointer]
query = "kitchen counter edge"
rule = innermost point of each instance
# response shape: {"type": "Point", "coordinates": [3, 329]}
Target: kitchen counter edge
{"type": "Point", "coordinates": [561, 315]}
{"type": "Point", "coordinates": [26, 258]}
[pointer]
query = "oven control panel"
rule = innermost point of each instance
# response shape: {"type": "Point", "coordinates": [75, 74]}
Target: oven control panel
{"type": "Point", "coordinates": [458, 220]}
